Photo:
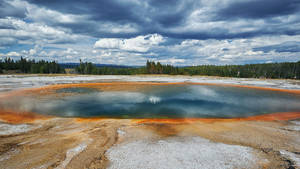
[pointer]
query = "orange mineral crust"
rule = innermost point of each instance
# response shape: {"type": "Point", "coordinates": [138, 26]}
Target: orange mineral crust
{"type": "Point", "coordinates": [20, 117]}
{"type": "Point", "coordinates": [137, 85]}
{"type": "Point", "coordinates": [30, 117]}
{"type": "Point", "coordinates": [123, 85]}
{"type": "Point", "coordinates": [283, 116]}
{"type": "Point", "coordinates": [93, 119]}
{"type": "Point", "coordinates": [107, 86]}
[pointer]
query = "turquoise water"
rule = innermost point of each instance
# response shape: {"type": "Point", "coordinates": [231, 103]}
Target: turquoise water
{"type": "Point", "coordinates": [172, 101]}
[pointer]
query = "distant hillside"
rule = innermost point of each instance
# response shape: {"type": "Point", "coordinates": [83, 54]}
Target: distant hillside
{"type": "Point", "coordinates": [74, 65]}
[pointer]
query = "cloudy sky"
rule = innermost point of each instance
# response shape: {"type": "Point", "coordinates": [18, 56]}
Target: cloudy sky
{"type": "Point", "coordinates": [129, 32]}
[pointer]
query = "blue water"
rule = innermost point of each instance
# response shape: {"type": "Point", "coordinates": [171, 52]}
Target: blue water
{"type": "Point", "coordinates": [171, 101]}
{"type": "Point", "coordinates": [82, 90]}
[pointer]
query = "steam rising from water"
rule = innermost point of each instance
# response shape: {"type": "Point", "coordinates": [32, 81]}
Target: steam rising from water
{"type": "Point", "coordinates": [162, 102]}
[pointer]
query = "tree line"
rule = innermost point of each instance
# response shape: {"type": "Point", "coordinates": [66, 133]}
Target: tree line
{"type": "Point", "coordinates": [29, 66]}
{"type": "Point", "coordinates": [286, 70]}
{"type": "Point", "coordinates": [89, 68]}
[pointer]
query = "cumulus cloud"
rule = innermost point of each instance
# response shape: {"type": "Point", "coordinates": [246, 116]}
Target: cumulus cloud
{"type": "Point", "coordinates": [136, 44]}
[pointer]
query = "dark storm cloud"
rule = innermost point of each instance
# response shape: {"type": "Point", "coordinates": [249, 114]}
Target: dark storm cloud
{"type": "Point", "coordinates": [222, 33]}
{"type": "Point", "coordinates": [115, 11]}
{"type": "Point", "coordinates": [172, 12]}
{"type": "Point", "coordinates": [157, 16]}
{"type": "Point", "coordinates": [283, 47]}
{"type": "Point", "coordinates": [7, 10]}
{"type": "Point", "coordinates": [122, 11]}
{"type": "Point", "coordinates": [259, 9]}
{"type": "Point", "coordinates": [97, 12]}
{"type": "Point", "coordinates": [147, 16]}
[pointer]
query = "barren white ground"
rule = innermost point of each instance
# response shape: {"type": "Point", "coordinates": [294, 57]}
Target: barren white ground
{"type": "Point", "coordinates": [11, 82]}
{"type": "Point", "coordinates": [191, 152]}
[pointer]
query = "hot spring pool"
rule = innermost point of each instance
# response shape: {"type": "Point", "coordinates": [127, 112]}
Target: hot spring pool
{"type": "Point", "coordinates": [166, 101]}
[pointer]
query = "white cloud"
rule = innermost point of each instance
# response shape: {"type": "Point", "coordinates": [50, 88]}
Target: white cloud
{"type": "Point", "coordinates": [136, 51]}
{"type": "Point", "coordinates": [172, 61]}
{"type": "Point", "coordinates": [109, 43]}
{"type": "Point", "coordinates": [35, 33]}
{"type": "Point", "coordinates": [12, 54]}
{"type": "Point", "coordinates": [137, 44]}
{"type": "Point", "coordinates": [32, 51]}
{"type": "Point", "coordinates": [235, 51]}
{"type": "Point", "coordinates": [114, 28]}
